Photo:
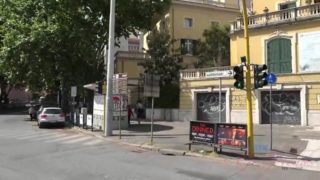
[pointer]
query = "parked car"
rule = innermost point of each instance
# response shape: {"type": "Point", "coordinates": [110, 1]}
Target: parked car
{"type": "Point", "coordinates": [51, 115]}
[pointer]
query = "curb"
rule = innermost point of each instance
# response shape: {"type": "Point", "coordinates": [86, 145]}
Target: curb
{"type": "Point", "coordinates": [174, 152]}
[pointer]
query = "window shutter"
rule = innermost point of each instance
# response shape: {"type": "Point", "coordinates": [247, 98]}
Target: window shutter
{"type": "Point", "coordinates": [183, 46]}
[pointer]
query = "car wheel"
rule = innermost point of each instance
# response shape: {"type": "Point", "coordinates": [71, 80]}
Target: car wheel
{"type": "Point", "coordinates": [40, 125]}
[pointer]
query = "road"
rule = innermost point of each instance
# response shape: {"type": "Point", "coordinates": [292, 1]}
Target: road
{"type": "Point", "coordinates": [28, 152]}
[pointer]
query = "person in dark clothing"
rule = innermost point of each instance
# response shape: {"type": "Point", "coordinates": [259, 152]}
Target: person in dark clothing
{"type": "Point", "coordinates": [140, 111]}
{"type": "Point", "coordinates": [130, 114]}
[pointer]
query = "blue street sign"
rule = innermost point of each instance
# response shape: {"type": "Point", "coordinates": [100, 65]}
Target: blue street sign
{"type": "Point", "coordinates": [272, 78]}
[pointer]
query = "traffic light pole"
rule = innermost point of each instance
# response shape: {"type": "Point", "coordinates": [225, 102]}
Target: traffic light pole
{"type": "Point", "coordinates": [248, 83]}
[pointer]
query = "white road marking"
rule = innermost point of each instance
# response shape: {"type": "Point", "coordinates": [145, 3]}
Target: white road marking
{"type": "Point", "coordinates": [91, 143]}
{"type": "Point", "coordinates": [34, 136]}
{"type": "Point", "coordinates": [54, 136]}
{"type": "Point", "coordinates": [313, 148]}
{"type": "Point", "coordinates": [64, 138]}
{"type": "Point", "coordinates": [77, 140]}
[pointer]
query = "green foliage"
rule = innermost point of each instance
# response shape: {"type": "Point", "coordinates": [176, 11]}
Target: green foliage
{"type": "Point", "coordinates": [169, 97]}
{"type": "Point", "coordinates": [164, 61]}
{"type": "Point", "coordinates": [214, 50]}
{"type": "Point", "coordinates": [48, 45]}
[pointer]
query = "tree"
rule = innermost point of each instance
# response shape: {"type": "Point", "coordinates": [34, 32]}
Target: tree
{"type": "Point", "coordinates": [49, 45]}
{"type": "Point", "coordinates": [214, 50]}
{"type": "Point", "coordinates": [164, 61]}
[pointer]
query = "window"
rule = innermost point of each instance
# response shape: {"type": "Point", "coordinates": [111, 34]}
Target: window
{"type": "Point", "coordinates": [279, 55]}
{"type": "Point", "coordinates": [133, 44]}
{"type": "Point", "coordinates": [187, 22]}
{"type": "Point", "coordinates": [188, 46]}
{"type": "Point", "coordinates": [287, 5]}
{"type": "Point", "coordinates": [214, 23]}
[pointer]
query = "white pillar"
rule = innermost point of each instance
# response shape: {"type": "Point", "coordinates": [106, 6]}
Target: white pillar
{"type": "Point", "coordinates": [109, 111]}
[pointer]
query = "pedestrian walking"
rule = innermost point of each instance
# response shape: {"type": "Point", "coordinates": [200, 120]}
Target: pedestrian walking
{"type": "Point", "coordinates": [140, 111]}
{"type": "Point", "coordinates": [130, 114]}
{"type": "Point", "coordinates": [32, 112]}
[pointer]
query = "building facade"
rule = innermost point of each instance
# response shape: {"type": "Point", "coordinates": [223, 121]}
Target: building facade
{"type": "Point", "coordinates": [186, 21]}
{"type": "Point", "coordinates": [284, 35]}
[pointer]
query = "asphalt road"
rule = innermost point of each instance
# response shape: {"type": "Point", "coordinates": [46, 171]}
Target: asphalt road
{"type": "Point", "coordinates": [27, 152]}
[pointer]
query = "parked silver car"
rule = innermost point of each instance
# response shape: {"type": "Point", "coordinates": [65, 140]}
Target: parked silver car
{"type": "Point", "coordinates": [51, 115]}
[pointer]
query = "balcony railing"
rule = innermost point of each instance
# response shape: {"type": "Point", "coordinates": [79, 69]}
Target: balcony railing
{"type": "Point", "coordinates": [198, 74]}
{"type": "Point", "coordinates": [217, 3]}
{"type": "Point", "coordinates": [279, 17]}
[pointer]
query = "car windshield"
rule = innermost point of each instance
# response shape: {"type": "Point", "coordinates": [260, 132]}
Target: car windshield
{"type": "Point", "coordinates": [52, 111]}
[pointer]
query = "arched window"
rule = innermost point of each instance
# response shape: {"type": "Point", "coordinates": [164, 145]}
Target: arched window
{"type": "Point", "coordinates": [279, 57]}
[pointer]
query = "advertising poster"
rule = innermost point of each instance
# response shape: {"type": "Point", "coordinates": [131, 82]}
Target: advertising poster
{"type": "Point", "coordinates": [232, 135]}
{"type": "Point", "coordinates": [309, 54]}
{"type": "Point", "coordinates": [202, 132]}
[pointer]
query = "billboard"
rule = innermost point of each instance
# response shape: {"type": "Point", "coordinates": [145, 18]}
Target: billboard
{"type": "Point", "coordinates": [309, 54]}
{"type": "Point", "coordinates": [231, 135]}
{"type": "Point", "coordinates": [202, 132]}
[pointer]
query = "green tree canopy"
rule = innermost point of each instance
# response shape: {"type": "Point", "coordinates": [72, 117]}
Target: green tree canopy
{"type": "Point", "coordinates": [214, 50]}
{"type": "Point", "coordinates": [164, 60]}
{"type": "Point", "coordinates": [50, 44]}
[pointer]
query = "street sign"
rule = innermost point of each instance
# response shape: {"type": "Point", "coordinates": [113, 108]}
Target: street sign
{"type": "Point", "coordinates": [73, 91]}
{"type": "Point", "coordinates": [272, 78]}
{"type": "Point", "coordinates": [120, 83]}
{"type": "Point", "coordinates": [219, 74]}
{"type": "Point", "coordinates": [151, 86]}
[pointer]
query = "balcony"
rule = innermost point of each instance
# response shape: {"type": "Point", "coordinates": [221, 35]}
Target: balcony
{"type": "Point", "coordinates": [217, 3]}
{"type": "Point", "coordinates": [303, 13]}
{"type": "Point", "coordinates": [206, 73]}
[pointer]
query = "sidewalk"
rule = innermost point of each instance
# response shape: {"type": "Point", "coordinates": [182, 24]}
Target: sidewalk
{"type": "Point", "coordinates": [293, 146]}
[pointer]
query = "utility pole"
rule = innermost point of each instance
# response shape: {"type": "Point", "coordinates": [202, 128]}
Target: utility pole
{"type": "Point", "coordinates": [248, 82]}
{"type": "Point", "coordinates": [109, 76]}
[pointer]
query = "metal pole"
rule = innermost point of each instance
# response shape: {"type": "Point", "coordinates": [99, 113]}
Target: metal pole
{"type": "Point", "coordinates": [219, 100]}
{"type": "Point", "coordinates": [270, 115]}
{"type": "Point", "coordinates": [248, 83]}
{"type": "Point", "coordinates": [73, 109]}
{"type": "Point", "coordinates": [152, 111]}
{"type": "Point", "coordinates": [120, 117]}
{"type": "Point", "coordinates": [110, 71]}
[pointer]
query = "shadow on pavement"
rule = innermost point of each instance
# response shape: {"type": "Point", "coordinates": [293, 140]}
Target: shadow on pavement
{"type": "Point", "coordinates": [14, 111]}
{"type": "Point", "coordinates": [146, 127]}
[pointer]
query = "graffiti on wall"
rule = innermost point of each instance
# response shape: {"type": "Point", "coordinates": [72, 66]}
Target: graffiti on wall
{"type": "Point", "coordinates": [208, 107]}
{"type": "Point", "coordinates": [285, 107]}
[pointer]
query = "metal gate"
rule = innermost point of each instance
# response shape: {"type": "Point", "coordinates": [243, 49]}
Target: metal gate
{"type": "Point", "coordinates": [208, 107]}
{"type": "Point", "coordinates": [285, 107]}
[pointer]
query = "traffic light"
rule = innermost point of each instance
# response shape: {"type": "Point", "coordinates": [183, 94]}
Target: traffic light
{"type": "Point", "coordinates": [99, 87]}
{"type": "Point", "coordinates": [260, 76]}
{"type": "Point", "coordinates": [238, 76]}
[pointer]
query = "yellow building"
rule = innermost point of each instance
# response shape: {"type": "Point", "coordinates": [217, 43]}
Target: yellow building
{"type": "Point", "coordinates": [186, 21]}
{"type": "Point", "coordinates": [285, 35]}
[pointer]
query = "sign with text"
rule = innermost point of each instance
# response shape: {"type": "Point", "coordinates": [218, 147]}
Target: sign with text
{"type": "Point", "coordinates": [219, 74]}
{"type": "Point", "coordinates": [120, 83]}
{"type": "Point", "coordinates": [202, 132]}
{"type": "Point", "coordinates": [232, 135]}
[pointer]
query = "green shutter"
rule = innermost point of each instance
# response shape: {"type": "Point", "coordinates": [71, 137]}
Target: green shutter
{"type": "Point", "coordinates": [279, 55]}
{"type": "Point", "coordinates": [183, 46]}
